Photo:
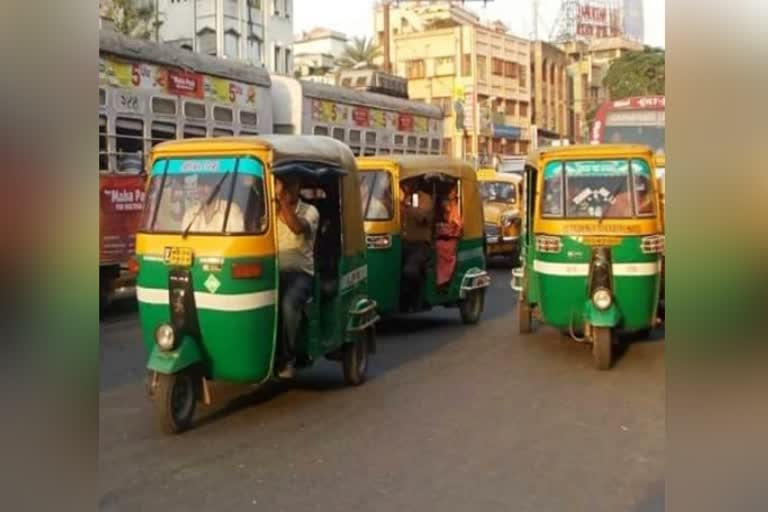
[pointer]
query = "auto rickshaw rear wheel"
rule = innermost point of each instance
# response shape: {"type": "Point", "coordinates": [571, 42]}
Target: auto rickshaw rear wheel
{"type": "Point", "coordinates": [524, 318]}
{"type": "Point", "coordinates": [602, 347]}
{"type": "Point", "coordinates": [175, 398]}
{"type": "Point", "coordinates": [354, 362]}
{"type": "Point", "coordinates": [471, 307]}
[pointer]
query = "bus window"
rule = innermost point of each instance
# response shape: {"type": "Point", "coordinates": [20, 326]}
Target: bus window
{"type": "Point", "coordinates": [103, 149]}
{"type": "Point", "coordinates": [102, 97]}
{"type": "Point", "coordinates": [436, 145]}
{"type": "Point", "coordinates": [191, 131]}
{"type": "Point", "coordinates": [384, 151]}
{"type": "Point", "coordinates": [321, 130]}
{"type": "Point", "coordinates": [165, 106]}
{"type": "Point", "coordinates": [411, 151]}
{"type": "Point", "coordinates": [398, 151]}
{"type": "Point", "coordinates": [411, 141]}
{"type": "Point", "coordinates": [129, 142]}
{"type": "Point", "coordinates": [223, 114]}
{"type": "Point", "coordinates": [338, 134]}
{"type": "Point", "coordinates": [222, 132]}
{"type": "Point", "coordinates": [370, 138]}
{"type": "Point", "coordinates": [248, 118]}
{"type": "Point", "coordinates": [354, 136]}
{"type": "Point", "coordinates": [194, 110]}
{"type": "Point", "coordinates": [399, 140]}
{"type": "Point", "coordinates": [424, 144]}
{"type": "Point", "coordinates": [162, 131]}
{"type": "Point", "coordinates": [247, 133]}
{"type": "Point", "coordinates": [355, 150]}
{"type": "Point", "coordinates": [369, 151]}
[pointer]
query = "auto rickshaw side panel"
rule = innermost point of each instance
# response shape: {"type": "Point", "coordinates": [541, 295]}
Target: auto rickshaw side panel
{"type": "Point", "coordinates": [236, 316]}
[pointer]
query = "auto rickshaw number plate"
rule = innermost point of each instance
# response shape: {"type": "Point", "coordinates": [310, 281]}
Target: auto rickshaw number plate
{"type": "Point", "coordinates": [178, 256]}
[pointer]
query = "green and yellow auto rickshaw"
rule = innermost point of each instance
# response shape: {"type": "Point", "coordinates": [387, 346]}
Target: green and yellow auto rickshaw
{"type": "Point", "coordinates": [592, 244]}
{"type": "Point", "coordinates": [501, 194]}
{"type": "Point", "coordinates": [451, 233]}
{"type": "Point", "coordinates": [208, 291]}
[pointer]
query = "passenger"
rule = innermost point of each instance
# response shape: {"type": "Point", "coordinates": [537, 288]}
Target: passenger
{"type": "Point", "coordinates": [416, 221]}
{"type": "Point", "coordinates": [448, 233]}
{"type": "Point", "coordinates": [297, 224]}
{"type": "Point", "coordinates": [209, 218]}
{"type": "Point", "coordinates": [374, 207]}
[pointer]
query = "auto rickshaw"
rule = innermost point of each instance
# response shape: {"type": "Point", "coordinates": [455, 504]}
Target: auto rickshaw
{"type": "Point", "coordinates": [208, 291]}
{"type": "Point", "coordinates": [454, 272]}
{"type": "Point", "coordinates": [592, 244]}
{"type": "Point", "coordinates": [661, 175]}
{"type": "Point", "coordinates": [501, 194]}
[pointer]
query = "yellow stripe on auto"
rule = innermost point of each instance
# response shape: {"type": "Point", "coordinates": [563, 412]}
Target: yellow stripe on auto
{"type": "Point", "coordinates": [227, 246]}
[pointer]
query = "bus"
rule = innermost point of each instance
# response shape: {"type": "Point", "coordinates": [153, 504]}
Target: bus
{"type": "Point", "coordinates": [369, 123]}
{"type": "Point", "coordinates": [149, 93]}
{"type": "Point", "coordinates": [636, 120]}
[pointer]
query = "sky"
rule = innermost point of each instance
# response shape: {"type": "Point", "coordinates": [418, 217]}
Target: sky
{"type": "Point", "coordinates": [355, 17]}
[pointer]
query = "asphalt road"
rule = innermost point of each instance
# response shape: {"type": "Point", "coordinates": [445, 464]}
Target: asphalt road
{"type": "Point", "coordinates": [452, 418]}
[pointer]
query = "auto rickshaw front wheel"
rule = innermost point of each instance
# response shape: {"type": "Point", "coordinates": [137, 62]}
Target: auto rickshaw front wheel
{"type": "Point", "coordinates": [602, 347]}
{"type": "Point", "coordinates": [175, 398]}
{"type": "Point", "coordinates": [471, 307]}
{"type": "Point", "coordinates": [354, 361]}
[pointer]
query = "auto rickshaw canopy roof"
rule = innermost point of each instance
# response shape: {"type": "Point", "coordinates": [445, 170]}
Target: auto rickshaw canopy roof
{"type": "Point", "coordinates": [286, 149]}
{"type": "Point", "coordinates": [581, 151]}
{"type": "Point", "coordinates": [492, 175]}
{"type": "Point", "coordinates": [416, 166]}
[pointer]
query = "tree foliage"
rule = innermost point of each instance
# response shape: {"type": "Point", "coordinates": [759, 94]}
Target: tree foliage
{"type": "Point", "coordinates": [636, 73]}
{"type": "Point", "coordinates": [360, 53]}
{"type": "Point", "coordinates": [131, 17]}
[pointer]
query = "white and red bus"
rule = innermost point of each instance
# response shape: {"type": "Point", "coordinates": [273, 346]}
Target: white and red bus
{"type": "Point", "coordinates": [638, 120]}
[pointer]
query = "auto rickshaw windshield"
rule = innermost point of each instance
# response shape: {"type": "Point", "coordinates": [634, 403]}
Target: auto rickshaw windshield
{"type": "Point", "coordinates": [598, 189]}
{"type": "Point", "coordinates": [206, 196]}
{"type": "Point", "coordinates": [500, 191]}
{"type": "Point", "coordinates": [376, 195]}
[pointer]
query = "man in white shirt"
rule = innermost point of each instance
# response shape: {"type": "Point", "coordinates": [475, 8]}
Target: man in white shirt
{"type": "Point", "coordinates": [211, 218]}
{"type": "Point", "coordinates": [297, 224]}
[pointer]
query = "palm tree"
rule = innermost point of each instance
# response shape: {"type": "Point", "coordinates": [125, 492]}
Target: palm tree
{"type": "Point", "coordinates": [360, 53]}
{"type": "Point", "coordinates": [131, 17]}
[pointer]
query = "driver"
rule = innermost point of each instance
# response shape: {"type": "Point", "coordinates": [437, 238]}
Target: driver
{"type": "Point", "coordinates": [211, 218]}
{"type": "Point", "coordinates": [296, 229]}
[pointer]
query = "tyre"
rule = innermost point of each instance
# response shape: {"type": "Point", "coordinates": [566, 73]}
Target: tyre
{"type": "Point", "coordinates": [354, 362]}
{"type": "Point", "coordinates": [524, 318]}
{"type": "Point", "coordinates": [472, 307]}
{"type": "Point", "coordinates": [602, 347]}
{"type": "Point", "coordinates": [175, 398]}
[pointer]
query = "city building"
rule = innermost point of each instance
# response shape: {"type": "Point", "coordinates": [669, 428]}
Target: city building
{"type": "Point", "coordinates": [256, 31]}
{"type": "Point", "coordinates": [315, 53]}
{"type": "Point", "coordinates": [550, 94]}
{"type": "Point", "coordinates": [479, 74]}
{"type": "Point", "coordinates": [588, 65]}
{"type": "Point", "coordinates": [634, 20]}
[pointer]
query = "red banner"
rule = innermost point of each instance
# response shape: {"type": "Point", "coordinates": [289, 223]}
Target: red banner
{"type": "Point", "coordinates": [121, 199]}
{"type": "Point", "coordinates": [185, 83]}
{"type": "Point", "coordinates": [405, 122]}
{"type": "Point", "coordinates": [361, 116]}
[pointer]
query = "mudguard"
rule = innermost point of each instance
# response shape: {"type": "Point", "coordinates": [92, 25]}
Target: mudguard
{"type": "Point", "coordinates": [186, 354]}
{"type": "Point", "coordinates": [601, 317]}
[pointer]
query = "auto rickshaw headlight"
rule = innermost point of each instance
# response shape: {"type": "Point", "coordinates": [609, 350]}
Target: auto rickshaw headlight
{"type": "Point", "coordinates": [165, 337]}
{"type": "Point", "coordinates": [602, 298]}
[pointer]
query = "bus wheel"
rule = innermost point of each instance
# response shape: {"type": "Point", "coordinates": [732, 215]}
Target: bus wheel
{"type": "Point", "coordinates": [524, 318]}
{"type": "Point", "coordinates": [472, 307]}
{"type": "Point", "coordinates": [354, 362]}
{"type": "Point", "coordinates": [602, 341]}
{"type": "Point", "coordinates": [175, 398]}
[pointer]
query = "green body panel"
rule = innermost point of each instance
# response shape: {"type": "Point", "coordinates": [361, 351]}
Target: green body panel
{"type": "Point", "coordinates": [560, 299]}
{"type": "Point", "coordinates": [239, 345]}
{"type": "Point", "coordinates": [186, 354]}
{"type": "Point", "coordinates": [473, 257]}
{"type": "Point", "coordinates": [384, 267]}
{"type": "Point", "coordinates": [601, 318]}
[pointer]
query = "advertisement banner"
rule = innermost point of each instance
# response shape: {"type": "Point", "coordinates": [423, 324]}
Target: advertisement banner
{"type": "Point", "coordinates": [360, 116]}
{"type": "Point", "coordinates": [185, 83]}
{"type": "Point", "coordinates": [405, 122]}
{"type": "Point", "coordinates": [378, 119]}
{"type": "Point", "coordinates": [121, 199]}
{"type": "Point", "coordinates": [420, 124]}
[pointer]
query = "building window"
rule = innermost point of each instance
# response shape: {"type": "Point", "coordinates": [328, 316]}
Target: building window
{"type": "Point", "coordinates": [276, 7]}
{"type": "Point", "coordinates": [510, 69]}
{"type": "Point", "coordinates": [254, 50]}
{"type": "Point", "coordinates": [206, 41]}
{"type": "Point", "coordinates": [444, 103]}
{"type": "Point", "coordinates": [287, 9]}
{"type": "Point", "coordinates": [523, 109]}
{"type": "Point", "coordinates": [482, 67]}
{"type": "Point", "coordinates": [523, 74]}
{"type": "Point", "coordinates": [254, 4]}
{"type": "Point", "coordinates": [276, 59]}
{"type": "Point", "coordinates": [414, 68]}
{"type": "Point", "coordinates": [466, 64]}
{"type": "Point", "coordinates": [444, 66]}
{"type": "Point", "coordinates": [346, 82]}
{"type": "Point", "coordinates": [497, 66]}
{"type": "Point", "coordinates": [287, 61]}
{"type": "Point", "coordinates": [509, 108]}
{"type": "Point", "coordinates": [231, 44]}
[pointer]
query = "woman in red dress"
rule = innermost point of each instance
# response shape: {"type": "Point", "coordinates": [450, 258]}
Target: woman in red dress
{"type": "Point", "coordinates": [448, 233]}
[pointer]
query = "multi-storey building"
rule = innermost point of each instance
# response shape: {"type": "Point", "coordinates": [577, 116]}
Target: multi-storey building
{"type": "Point", "coordinates": [315, 53]}
{"type": "Point", "coordinates": [550, 94]}
{"type": "Point", "coordinates": [479, 74]}
{"type": "Point", "coordinates": [256, 31]}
